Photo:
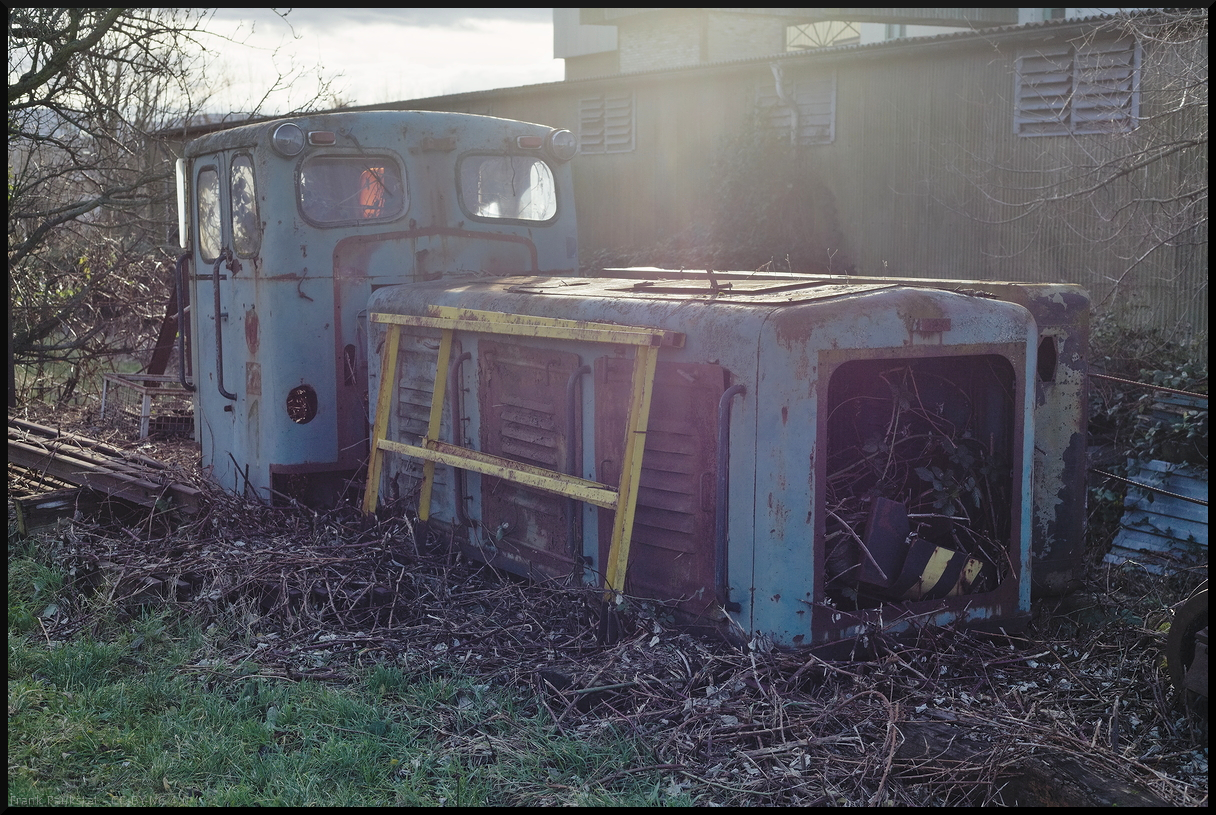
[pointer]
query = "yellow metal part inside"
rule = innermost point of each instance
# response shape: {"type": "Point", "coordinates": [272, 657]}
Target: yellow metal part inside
{"type": "Point", "coordinates": [449, 320]}
{"type": "Point", "coordinates": [935, 571]}
{"type": "Point", "coordinates": [972, 570]}
{"type": "Point", "coordinates": [932, 574]}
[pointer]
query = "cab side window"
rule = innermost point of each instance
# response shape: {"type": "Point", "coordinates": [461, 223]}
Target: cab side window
{"type": "Point", "coordinates": [517, 188]}
{"type": "Point", "coordinates": [209, 234]}
{"type": "Point", "coordinates": [246, 230]}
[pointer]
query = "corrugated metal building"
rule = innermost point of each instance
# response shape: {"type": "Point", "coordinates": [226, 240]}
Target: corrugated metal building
{"type": "Point", "coordinates": [967, 155]}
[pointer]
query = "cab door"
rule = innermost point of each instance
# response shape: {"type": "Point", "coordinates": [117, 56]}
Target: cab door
{"type": "Point", "coordinates": [224, 257]}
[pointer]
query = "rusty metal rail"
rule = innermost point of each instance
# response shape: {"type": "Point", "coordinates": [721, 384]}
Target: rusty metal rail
{"type": "Point", "coordinates": [99, 466]}
{"type": "Point", "coordinates": [1148, 385]}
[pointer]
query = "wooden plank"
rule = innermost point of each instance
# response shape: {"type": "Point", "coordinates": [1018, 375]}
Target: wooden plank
{"type": "Point", "coordinates": [38, 511]}
{"type": "Point", "coordinates": [108, 451]}
{"type": "Point", "coordinates": [83, 463]}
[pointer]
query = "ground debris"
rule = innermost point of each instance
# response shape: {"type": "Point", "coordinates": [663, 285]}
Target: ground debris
{"type": "Point", "coordinates": [941, 718]}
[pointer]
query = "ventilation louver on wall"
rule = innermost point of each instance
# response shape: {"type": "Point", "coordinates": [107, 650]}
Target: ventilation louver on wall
{"type": "Point", "coordinates": [1075, 90]}
{"type": "Point", "coordinates": [605, 124]}
{"type": "Point", "coordinates": [815, 100]}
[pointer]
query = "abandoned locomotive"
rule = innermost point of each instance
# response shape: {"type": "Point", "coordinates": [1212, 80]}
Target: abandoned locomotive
{"type": "Point", "coordinates": [800, 456]}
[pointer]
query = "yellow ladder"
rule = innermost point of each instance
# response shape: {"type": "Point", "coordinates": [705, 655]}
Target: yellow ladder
{"type": "Point", "coordinates": [449, 320]}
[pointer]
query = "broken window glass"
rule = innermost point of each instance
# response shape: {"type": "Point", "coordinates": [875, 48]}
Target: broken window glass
{"type": "Point", "coordinates": [351, 189]}
{"type": "Point", "coordinates": [519, 188]}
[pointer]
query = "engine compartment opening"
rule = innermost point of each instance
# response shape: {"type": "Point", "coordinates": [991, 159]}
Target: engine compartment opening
{"type": "Point", "coordinates": [919, 491]}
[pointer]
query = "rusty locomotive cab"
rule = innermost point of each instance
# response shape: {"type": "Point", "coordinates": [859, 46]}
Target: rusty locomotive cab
{"type": "Point", "coordinates": [801, 457]}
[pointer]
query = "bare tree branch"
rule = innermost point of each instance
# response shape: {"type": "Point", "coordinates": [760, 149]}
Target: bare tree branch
{"type": "Point", "coordinates": [90, 195]}
{"type": "Point", "coordinates": [1135, 194]}
{"type": "Point", "coordinates": [58, 61]}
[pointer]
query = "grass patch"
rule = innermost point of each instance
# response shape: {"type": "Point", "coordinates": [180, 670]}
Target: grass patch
{"type": "Point", "coordinates": [133, 714]}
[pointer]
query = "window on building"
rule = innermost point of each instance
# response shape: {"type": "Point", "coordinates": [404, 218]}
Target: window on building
{"type": "Point", "coordinates": [896, 31]}
{"type": "Point", "coordinates": [605, 123]}
{"type": "Point", "coordinates": [813, 100]}
{"type": "Point", "coordinates": [821, 35]}
{"type": "Point", "coordinates": [1091, 87]}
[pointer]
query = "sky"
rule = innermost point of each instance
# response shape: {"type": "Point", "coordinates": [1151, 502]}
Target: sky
{"type": "Point", "coordinates": [378, 55]}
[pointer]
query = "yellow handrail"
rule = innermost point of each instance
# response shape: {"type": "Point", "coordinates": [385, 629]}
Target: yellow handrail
{"type": "Point", "coordinates": [449, 320]}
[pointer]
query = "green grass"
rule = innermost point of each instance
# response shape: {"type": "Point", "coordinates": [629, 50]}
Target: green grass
{"type": "Point", "coordinates": [132, 713]}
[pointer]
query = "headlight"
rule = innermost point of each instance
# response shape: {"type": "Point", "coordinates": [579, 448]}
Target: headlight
{"type": "Point", "coordinates": [287, 140]}
{"type": "Point", "coordinates": [561, 145]}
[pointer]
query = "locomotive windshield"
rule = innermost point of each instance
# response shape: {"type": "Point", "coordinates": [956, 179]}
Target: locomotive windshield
{"type": "Point", "coordinates": [518, 188]}
{"type": "Point", "coordinates": [349, 189]}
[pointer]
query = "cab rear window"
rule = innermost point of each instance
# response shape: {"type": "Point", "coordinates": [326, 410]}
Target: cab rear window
{"type": "Point", "coordinates": [517, 188]}
{"type": "Point", "coordinates": [351, 189]}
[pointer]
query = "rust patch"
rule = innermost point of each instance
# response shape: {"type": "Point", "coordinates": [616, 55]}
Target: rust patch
{"type": "Point", "coordinates": [348, 250]}
{"type": "Point", "coordinates": [253, 379]}
{"type": "Point", "coordinates": [922, 314]}
{"type": "Point", "coordinates": [252, 339]}
{"type": "Point", "coordinates": [931, 325]}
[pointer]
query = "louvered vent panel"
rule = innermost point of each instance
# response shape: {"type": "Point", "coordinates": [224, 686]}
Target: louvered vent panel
{"type": "Point", "coordinates": [522, 398]}
{"type": "Point", "coordinates": [671, 557]}
{"type": "Point", "coordinates": [815, 99]}
{"type": "Point", "coordinates": [606, 124]}
{"type": "Point", "coordinates": [1089, 89]}
{"type": "Point", "coordinates": [416, 361]}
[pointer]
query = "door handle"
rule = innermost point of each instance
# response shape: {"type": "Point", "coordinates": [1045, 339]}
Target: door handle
{"type": "Point", "coordinates": [219, 334]}
{"type": "Point", "coordinates": [182, 336]}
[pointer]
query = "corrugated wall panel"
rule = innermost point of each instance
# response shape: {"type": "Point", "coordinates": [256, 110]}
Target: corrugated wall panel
{"type": "Point", "coordinates": [925, 174]}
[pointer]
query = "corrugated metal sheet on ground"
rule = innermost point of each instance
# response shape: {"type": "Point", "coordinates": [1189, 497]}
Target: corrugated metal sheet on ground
{"type": "Point", "coordinates": [1160, 531]}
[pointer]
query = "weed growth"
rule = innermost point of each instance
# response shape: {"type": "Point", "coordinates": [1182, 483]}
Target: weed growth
{"type": "Point", "coordinates": [1130, 418]}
